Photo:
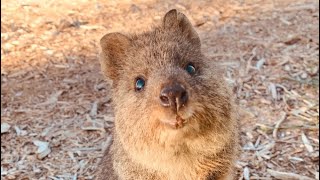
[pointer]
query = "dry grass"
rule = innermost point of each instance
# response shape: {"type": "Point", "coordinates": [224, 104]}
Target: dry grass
{"type": "Point", "coordinates": [55, 106]}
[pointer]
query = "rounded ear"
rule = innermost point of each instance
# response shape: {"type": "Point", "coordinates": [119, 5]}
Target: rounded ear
{"type": "Point", "coordinates": [114, 47]}
{"type": "Point", "coordinates": [177, 21]}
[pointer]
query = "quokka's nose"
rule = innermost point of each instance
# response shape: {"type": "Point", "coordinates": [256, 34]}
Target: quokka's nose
{"type": "Point", "coordinates": [174, 96]}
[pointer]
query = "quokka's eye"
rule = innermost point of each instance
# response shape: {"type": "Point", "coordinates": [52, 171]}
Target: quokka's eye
{"type": "Point", "coordinates": [140, 83]}
{"type": "Point", "coordinates": [190, 69]}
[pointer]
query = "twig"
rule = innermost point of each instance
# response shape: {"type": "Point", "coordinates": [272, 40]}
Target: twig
{"type": "Point", "coordinates": [279, 122]}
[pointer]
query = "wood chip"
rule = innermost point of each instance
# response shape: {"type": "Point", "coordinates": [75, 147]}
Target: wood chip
{"type": "Point", "coordinates": [94, 109]}
{"type": "Point", "coordinates": [52, 99]}
{"type": "Point", "coordinates": [260, 63]}
{"type": "Point", "coordinates": [307, 143]}
{"type": "Point", "coordinates": [246, 173]}
{"type": "Point", "coordinates": [285, 175]}
{"type": "Point", "coordinates": [106, 144]}
{"type": "Point", "coordinates": [273, 90]}
{"type": "Point", "coordinates": [93, 124]}
{"type": "Point", "coordinates": [292, 41]}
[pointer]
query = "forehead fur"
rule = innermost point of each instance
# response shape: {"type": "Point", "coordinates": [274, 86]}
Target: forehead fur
{"type": "Point", "coordinates": [162, 48]}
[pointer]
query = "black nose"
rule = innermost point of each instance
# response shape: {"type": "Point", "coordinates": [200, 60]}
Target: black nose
{"type": "Point", "coordinates": [174, 96]}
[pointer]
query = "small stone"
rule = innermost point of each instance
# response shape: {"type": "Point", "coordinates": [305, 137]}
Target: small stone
{"type": "Point", "coordinates": [287, 67]}
{"type": "Point", "coordinates": [304, 75]}
{"type": "Point", "coordinates": [5, 127]}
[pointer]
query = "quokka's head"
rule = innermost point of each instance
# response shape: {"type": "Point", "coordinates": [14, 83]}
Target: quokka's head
{"type": "Point", "coordinates": [162, 83]}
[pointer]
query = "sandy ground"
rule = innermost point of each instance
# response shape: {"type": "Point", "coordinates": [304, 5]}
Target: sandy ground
{"type": "Point", "coordinates": [55, 105]}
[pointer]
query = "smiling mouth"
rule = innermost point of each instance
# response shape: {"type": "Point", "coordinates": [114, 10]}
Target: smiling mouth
{"type": "Point", "coordinates": [178, 123]}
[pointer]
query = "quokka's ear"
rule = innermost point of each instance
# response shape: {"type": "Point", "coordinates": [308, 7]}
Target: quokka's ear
{"type": "Point", "coordinates": [176, 21]}
{"type": "Point", "coordinates": [114, 47]}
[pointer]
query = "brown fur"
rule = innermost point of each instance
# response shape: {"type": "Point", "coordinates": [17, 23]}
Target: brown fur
{"type": "Point", "coordinates": [143, 147]}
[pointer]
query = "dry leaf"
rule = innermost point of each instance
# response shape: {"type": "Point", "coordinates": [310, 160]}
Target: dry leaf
{"type": "Point", "coordinates": [20, 132]}
{"type": "Point", "coordinates": [43, 149]}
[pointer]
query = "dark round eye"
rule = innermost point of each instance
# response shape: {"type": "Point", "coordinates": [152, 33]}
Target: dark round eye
{"type": "Point", "coordinates": [190, 69]}
{"type": "Point", "coordinates": [140, 84]}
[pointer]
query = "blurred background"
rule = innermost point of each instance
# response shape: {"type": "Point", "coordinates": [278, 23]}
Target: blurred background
{"type": "Point", "coordinates": [55, 105]}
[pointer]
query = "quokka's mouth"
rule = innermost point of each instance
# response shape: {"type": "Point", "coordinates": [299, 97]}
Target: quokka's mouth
{"type": "Point", "coordinates": [176, 123]}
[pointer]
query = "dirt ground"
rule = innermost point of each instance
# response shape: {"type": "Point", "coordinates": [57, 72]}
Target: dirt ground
{"type": "Point", "coordinates": [55, 105]}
